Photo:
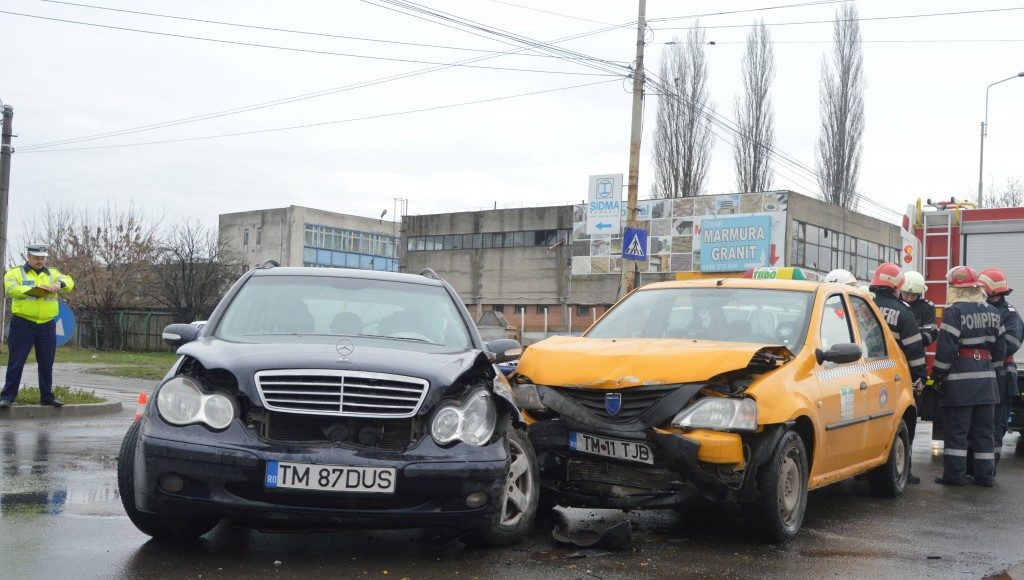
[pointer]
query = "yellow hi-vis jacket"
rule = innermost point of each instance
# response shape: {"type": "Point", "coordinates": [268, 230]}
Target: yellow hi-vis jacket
{"type": "Point", "coordinates": [20, 280]}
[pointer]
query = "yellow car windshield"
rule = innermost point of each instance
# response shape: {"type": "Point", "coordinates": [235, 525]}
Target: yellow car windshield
{"type": "Point", "coordinates": [721, 314]}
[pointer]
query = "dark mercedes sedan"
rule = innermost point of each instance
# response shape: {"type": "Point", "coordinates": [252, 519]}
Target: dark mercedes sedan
{"type": "Point", "coordinates": [332, 398]}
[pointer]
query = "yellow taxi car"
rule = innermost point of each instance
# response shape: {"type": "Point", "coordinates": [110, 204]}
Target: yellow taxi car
{"type": "Point", "coordinates": [751, 391]}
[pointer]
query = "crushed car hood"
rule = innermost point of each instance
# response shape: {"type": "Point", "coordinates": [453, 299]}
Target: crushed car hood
{"type": "Point", "coordinates": [633, 362]}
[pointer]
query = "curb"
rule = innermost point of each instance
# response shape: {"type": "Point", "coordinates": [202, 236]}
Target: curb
{"type": "Point", "coordinates": [40, 412]}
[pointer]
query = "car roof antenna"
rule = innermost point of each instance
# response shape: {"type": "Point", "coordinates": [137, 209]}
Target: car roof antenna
{"type": "Point", "coordinates": [268, 263]}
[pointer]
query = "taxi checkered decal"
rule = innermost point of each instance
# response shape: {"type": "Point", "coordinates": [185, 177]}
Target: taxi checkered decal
{"type": "Point", "coordinates": [847, 370]}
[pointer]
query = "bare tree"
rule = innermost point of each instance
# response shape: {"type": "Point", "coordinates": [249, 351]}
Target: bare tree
{"type": "Point", "coordinates": [755, 115]}
{"type": "Point", "coordinates": [109, 254]}
{"type": "Point", "coordinates": [682, 135]}
{"type": "Point", "coordinates": [840, 143]}
{"type": "Point", "coordinates": [1010, 196]}
{"type": "Point", "coordinates": [192, 271]}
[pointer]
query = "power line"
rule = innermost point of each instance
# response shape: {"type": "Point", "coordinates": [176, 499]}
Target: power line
{"type": "Point", "coordinates": [273, 29]}
{"type": "Point", "coordinates": [548, 12]}
{"type": "Point", "coordinates": [902, 16]}
{"type": "Point", "coordinates": [324, 123]}
{"type": "Point", "coordinates": [291, 49]}
{"type": "Point", "coordinates": [761, 9]}
{"type": "Point", "coordinates": [906, 41]}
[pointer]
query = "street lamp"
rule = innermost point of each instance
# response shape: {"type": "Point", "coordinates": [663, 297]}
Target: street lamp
{"type": "Point", "coordinates": [984, 126]}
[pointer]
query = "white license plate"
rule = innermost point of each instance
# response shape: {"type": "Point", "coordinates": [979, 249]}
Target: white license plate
{"type": "Point", "coordinates": [330, 477]}
{"type": "Point", "coordinates": [613, 448]}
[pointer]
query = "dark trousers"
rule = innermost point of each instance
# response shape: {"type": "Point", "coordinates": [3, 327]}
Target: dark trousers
{"type": "Point", "coordinates": [24, 336]}
{"type": "Point", "coordinates": [963, 426]}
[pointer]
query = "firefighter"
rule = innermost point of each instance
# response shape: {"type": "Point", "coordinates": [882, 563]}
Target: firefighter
{"type": "Point", "coordinates": [969, 353]}
{"type": "Point", "coordinates": [912, 293]}
{"type": "Point", "coordinates": [994, 282]}
{"type": "Point", "coordinates": [887, 280]}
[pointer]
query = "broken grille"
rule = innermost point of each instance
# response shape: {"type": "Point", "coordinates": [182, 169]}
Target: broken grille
{"type": "Point", "coordinates": [341, 393]}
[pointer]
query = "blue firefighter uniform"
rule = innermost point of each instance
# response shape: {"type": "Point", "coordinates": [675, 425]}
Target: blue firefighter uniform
{"type": "Point", "coordinates": [969, 351]}
{"type": "Point", "coordinates": [924, 313]}
{"type": "Point", "coordinates": [1007, 379]}
{"type": "Point", "coordinates": [903, 325]}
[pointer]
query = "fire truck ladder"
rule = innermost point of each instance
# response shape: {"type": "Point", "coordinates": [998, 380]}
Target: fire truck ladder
{"type": "Point", "coordinates": [938, 224]}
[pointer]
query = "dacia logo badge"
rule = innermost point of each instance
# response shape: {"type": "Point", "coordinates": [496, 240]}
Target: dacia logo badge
{"type": "Point", "coordinates": [613, 403]}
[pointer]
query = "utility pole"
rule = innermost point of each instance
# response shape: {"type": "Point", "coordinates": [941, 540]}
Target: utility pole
{"type": "Point", "coordinates": [630, 270]}
{"type": "Point", "coordinates": [5, 178]}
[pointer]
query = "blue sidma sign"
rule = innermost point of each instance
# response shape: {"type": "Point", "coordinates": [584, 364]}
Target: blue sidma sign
{"type": "Point", "coordinates": [735, 244]}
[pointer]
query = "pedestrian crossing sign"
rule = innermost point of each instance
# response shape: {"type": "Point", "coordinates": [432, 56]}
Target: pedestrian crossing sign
{"type": "Point", "coordinates": [634, 244]}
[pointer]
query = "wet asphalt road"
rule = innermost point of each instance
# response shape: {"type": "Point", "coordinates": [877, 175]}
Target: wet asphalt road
{"type": "Point", "coordinates": [61, 517]}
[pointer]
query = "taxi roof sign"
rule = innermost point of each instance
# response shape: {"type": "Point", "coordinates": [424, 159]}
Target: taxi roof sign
{"type": "Point", "coordinates": [785, 273]}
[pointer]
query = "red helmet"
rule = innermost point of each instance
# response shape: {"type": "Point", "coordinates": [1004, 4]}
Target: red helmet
{"type": "Point", "coordinates": [994, 281]}
{"type": "Point", "coordinates": [963, 277]}
{"type": "Point", "coordinates": [889, 275]}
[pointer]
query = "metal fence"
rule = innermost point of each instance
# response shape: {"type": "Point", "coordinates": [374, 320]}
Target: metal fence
{"type": "Point", "coordinates": [130, 330]}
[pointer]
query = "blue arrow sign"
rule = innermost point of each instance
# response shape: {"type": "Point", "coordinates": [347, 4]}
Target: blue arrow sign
{"type": "Point", "coordinates": [603, 226]}
{"type": "Point", "coordinates": [65, 324]}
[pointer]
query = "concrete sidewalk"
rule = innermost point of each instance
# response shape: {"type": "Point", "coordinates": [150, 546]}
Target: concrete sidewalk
{"type": "Point", "coordinates": [119, 392]}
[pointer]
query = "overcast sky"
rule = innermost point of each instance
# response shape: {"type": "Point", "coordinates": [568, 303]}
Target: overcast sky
{"type": "Point", "coordinates": [925, 99]}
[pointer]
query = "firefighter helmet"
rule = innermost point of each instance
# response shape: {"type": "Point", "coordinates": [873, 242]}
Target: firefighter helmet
{"type": "Point", "coordinates": [840, 276]}
{"type": "Point", "coordinates": [888, 275]}
{"type": "Point", "coordinates": [913, 283]}
{"type": "Point", "coordinates": [994, 281]}
{"type": "Point", "coordinates": [963, 277]}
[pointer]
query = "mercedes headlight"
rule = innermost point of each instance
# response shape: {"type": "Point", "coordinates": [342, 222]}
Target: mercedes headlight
{"type": "Point", "coordinates": [719, 413]}
{"type": "Point", "coordinates": [471, 422]}
{"type": "Point", "coordinates": [181, 401]}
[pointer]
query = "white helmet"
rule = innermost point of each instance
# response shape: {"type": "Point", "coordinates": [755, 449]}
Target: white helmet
{"type": "Point", "coordinates": [913, 283]}
{"type": "Point", "coordinates": [841, 276]}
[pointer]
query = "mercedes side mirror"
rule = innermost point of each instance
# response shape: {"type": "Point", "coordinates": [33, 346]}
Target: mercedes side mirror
{"type": "Point", "coordinates": [178, 334]}
{"type": "Point", "coordinates": [503, 350]}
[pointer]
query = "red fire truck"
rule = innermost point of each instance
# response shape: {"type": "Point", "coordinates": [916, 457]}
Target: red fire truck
{"type": "Point", "coordinates": [941, 235]}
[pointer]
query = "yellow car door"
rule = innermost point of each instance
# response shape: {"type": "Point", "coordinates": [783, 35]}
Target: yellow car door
{"type": "Point", "coordinates": [844, 405]}
{"type": "Point", "coordinates": [880, 377]}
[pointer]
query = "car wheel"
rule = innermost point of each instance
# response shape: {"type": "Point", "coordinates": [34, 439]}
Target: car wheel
{"type": "Point", "coordinates": [890, 478]}
{"type": "Point", "coordinates": [778, 511]}
{"type": "Point", "coordinates": [520, 496]}
{"type": "Point", "coordinates": [158, 526]}
{"type": "Point", "coordinates": [1019, 450]}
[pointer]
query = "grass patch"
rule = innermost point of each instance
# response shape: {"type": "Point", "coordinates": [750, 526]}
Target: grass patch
{"type": "Point", "coordinates": [133, 365]}
{"type": "Point", "coordinates": [70, 395]}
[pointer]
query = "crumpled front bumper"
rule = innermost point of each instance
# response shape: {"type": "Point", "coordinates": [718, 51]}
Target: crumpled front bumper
{"type": "Point", "coordinates": [685, 464]}
{"type": "Point", "coordinates": [224, 474]}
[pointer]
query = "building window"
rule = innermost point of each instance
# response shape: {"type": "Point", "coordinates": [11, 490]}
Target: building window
{"type": "Point", "coordinates": [582, 311]}
{"type": "Point", "coordinates": [498, 308]}
{"type": "Point", "coordinates": [245, 237]}
{"type": "Point", "coordinates": [259, 236]}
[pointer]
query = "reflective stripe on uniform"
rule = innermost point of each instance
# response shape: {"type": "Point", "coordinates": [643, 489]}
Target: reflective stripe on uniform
{"type": "Point", "coordinates": [974, 375]}
{"type": "Point", "coordinates": [917, 362]}
{"type": "Point", "coordinates": [955, 452]}
{"type": "Point", "coordinates": [942, 365]}
{"type": "Point", "coordinates": [1012, 340]}
{"type": "Point", "coordinates": [911, 340]}
{"type": "Point", "coordinates": [950, 329]}
{"type": "Point", "coordinates": [984, 455]}
{"type": "Point", "coordinates": [977, 340]}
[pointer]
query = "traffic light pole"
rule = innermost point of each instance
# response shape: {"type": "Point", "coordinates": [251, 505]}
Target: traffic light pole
{"type": "Point", "coordinates": [630, 270]}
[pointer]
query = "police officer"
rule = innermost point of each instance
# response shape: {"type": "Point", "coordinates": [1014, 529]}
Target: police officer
{"type": "Point", "coordinates": [888, 278]}
{"type": "Point", "coordinates": [969, 351]}
{"type": "Point", "coordinates": [912, 293]}
{"type": "Point", "coordinates": [994, 282]}
{"type": "Point", "coordinates": [33, 289]}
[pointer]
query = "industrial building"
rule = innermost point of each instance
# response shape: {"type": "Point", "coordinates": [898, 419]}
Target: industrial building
{"type": "Point", "coordinates": [301, 236]}
{"type": "Point", "coordinates": [541, 270]}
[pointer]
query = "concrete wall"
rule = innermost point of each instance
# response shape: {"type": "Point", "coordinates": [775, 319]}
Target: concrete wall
{"type": "Point", "coordinates": [833, 217]}
{"type": "Point", "coordinates": [276, 235]}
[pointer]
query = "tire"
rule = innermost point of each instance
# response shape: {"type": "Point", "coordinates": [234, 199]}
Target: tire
{"type": "Point", "coordinates": [161, 527]}
{"type": "Point", "coordinates": [520, 498]}
{"type": "Point", "coordinates": [890, 478]}
{"type": "Point", "coordinates": [778, 512]}
{"type": "Point", "coordinates": [1019, 450]}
